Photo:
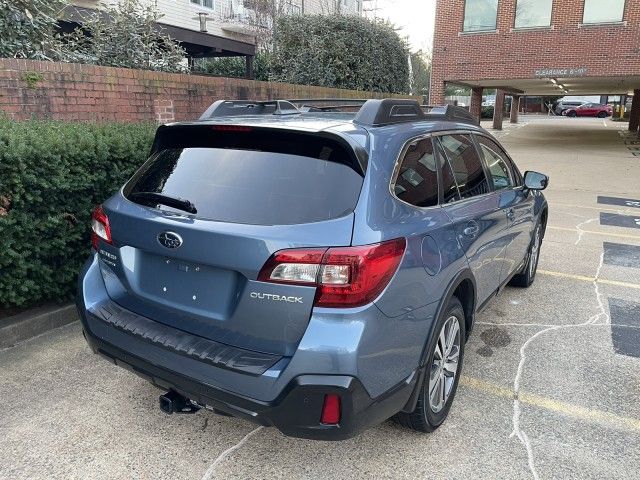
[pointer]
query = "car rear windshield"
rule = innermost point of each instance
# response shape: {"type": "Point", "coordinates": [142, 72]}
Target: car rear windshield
{"type": "Point", "coordinates": [251, 186]}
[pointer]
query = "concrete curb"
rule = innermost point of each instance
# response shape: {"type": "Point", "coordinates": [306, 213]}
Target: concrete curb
{"type": "Point", "coordinates": [34, 322]}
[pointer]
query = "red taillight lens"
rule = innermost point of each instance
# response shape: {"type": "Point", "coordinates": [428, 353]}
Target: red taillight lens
{"type": "Point", "coordinates": [345, 276]}
{"type": "Point", "coordinates": [99, 227]}
{"type": "Point", "coordinates": [331, 409]}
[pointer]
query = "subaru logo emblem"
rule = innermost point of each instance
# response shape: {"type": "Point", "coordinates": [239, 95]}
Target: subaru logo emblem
{"type": "Point", "coordinates": [170, 239]}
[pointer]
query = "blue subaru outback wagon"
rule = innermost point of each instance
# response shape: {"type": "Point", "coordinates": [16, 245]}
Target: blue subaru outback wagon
{"type": "Point", "coordinates": [301, 266]}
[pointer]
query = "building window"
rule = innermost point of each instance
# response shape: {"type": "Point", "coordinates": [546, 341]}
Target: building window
{"type": "Point", "coordinates": [600, 11]}
{"type": "Point", "coordinates": [203, 3]}
{"type": "Point", "coordinates": [533, 13]}
{"type": "Point", "coordinates": [480, 15]}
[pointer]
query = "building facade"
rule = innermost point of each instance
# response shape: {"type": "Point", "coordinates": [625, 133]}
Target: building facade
{"type": "Point", "coordinates": [214, 28]}
{"type": "Point", "coordinates": [536, 47]}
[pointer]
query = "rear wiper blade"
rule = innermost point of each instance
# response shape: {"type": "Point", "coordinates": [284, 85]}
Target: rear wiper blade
{"type": "Point", "coordinates": [159, 198]}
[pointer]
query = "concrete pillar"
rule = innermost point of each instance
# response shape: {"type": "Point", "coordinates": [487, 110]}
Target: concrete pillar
{"type": "Point", "coordinates": [249, 67]}
{"type": "Point", "coordinates": [634, 116]}
{"type": "Point", "coordinates": [475, 108]}
{"type": "Point", "coordinates": [498, 110]}
{"type": "Point", "coordinates": [515, 108]}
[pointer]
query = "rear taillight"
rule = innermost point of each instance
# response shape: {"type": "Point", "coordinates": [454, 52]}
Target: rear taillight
{"type": "Point", "coordinates": [345, 276]}
{"type": "Point", "coordinates": [99, 227]}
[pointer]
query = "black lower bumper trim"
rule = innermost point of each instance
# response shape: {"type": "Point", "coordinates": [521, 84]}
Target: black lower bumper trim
{"type": "Point", "coordinates": [183, 343]}
{"type": "Point", "coordinates": [295, 412]}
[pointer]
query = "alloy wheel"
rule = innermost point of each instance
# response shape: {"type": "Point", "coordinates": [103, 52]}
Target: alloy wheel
{"type": "Point", "coordinates": [445, 364]}
{"type": "Point", "coordinates": [535, 252]}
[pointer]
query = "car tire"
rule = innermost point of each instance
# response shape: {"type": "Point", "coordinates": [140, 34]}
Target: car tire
{"type": "Point", "coordinates": [527, 275]}
{"type": "Point", "coordinates": [572, 114]}
{"type": "Point", "coordinates": [432, 410]}
{"type": "Point", "coordinates": [602, 115]}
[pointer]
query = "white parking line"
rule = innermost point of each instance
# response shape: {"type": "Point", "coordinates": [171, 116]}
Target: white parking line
{"type": "Point", "coordinates": [208, 475]}
{"type": "Point", "coordinates": [517, 430]}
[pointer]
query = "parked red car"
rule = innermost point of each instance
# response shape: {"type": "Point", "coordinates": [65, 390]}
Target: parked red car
{"type": "Point", "coordinates": [589, 110]}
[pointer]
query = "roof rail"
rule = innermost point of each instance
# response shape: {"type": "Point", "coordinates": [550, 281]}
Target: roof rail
{"type": "Point", "coordinates": [376, 113]}
{"type": "Point", "coordinates": [453, 113]}
{"type": "Point", "coordinates": [238, 108]}
{"type": "Point", "coordinates": [329, 100]}
{"type": "Point", "coordinates": [372, 113]}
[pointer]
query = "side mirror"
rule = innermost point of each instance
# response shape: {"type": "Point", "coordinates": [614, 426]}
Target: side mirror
{"type": "Point", "coordinates": [535, 181]}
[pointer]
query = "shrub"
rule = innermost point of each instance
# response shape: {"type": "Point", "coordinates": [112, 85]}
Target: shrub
{"type": "Point", "coordinates": [27, 28]}
{"type": "Point", "coordinates": [124, 34]}
{"type": "Point", "coordinates": [340, 51]}
{"type": "Point", "coordinates": [52, 174]}
{"type": "Point", "coordinates": [235, 66]}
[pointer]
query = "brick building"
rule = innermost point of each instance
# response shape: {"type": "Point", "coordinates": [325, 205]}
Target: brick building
{"type": "Point", "coordinates": [537, 47]}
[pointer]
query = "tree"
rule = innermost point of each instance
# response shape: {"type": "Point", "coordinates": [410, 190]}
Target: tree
{"type": "Point", "coordinates": [124, 35]}
{"type": "Point", "coordinates": [421, 73]}
{"type": "Point", "coordinates": [27, 28]}
{"type": "Point", "coordinates": [340, 51]}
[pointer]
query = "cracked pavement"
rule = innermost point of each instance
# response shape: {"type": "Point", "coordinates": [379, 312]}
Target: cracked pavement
{"type": "Point", "coordinates": [71, 414]}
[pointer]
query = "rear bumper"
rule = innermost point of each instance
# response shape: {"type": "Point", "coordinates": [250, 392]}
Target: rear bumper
{"type": "Point", "coordinates": [295, 412]}
{"type": "Point", "coordinates": [334, 356]}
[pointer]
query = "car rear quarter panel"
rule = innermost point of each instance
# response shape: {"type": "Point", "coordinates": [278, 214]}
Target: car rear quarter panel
{"type": "Point", "coordinates": [433, 258]}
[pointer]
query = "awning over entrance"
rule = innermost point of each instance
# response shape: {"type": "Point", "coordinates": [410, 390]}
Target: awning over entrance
{"type": "Point", "coordinates": [200, 44]}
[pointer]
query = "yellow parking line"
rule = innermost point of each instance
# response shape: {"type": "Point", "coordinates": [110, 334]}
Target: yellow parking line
{"type": "Point", "coordinates": [593, 232]}
{"type": "Point", "coordinates": [539, 401]}
{"type": "Point", "coordinates": [584, 278]}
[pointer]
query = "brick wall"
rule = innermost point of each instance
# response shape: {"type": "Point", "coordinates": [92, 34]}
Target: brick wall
{"type": "Point", "coordinates": [68, 91]}
{"type": "Point", "coordinates": [605, 50]}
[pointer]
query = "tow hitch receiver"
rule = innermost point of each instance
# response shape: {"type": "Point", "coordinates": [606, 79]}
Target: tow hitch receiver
{"type": "Point", "coordinates": [173, 402]}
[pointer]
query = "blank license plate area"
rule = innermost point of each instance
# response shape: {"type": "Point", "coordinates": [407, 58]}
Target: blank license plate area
{"type": "Point", "coordinates": [191, 286]}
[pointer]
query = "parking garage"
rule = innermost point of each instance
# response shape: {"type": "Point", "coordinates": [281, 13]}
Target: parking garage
{"type": "Point", "coordinates": [540, 48]}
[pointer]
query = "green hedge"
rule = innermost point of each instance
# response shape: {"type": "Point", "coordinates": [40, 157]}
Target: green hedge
{"type": "Point", "coordinates": [341, 51]}
{"type": "Point", "coordinates": [52, 174]}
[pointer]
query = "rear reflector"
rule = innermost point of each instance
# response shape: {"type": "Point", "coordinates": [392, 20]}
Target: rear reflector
{"type": "Point", "coordinates": [99, 227]}
{"type": "Point", "coordinates": [345, 276]}
{"type": "Point", "coordinates": [331, 409]}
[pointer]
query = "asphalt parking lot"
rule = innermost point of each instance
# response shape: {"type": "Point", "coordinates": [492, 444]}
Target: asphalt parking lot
{"type": "Point", "coordinates": [550, 384]}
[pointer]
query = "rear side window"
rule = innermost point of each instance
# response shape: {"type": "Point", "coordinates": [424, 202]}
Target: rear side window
{"type": "Point", "coordinates": [497, 162]}
{"type": "Point", "coordinates": [251, 186]}
{"type": "Point", "coordinates": [465, 164]}
{"type": "Point", "coordinates": [417, 181]}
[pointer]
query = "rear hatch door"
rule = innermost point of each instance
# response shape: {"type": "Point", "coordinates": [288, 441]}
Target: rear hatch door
{"type": "Point", "coordinates": [254, 191]}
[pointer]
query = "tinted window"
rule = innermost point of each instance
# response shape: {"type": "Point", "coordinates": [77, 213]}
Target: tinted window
{"type": "Point", "coordinates": [417, 181]}
{"type": "Point", "coordinates": [465, 164]}
{"type": "Point", "coordinates": [599, 11]}
{"type": "Point", "coordinates": [252, 187]}
{"type": "Point", "coordinates": [480, 15]}
{"type": "Point", "coordinates": [533, 13]}
{"type": "Point", "coordinates": [497, 164]}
